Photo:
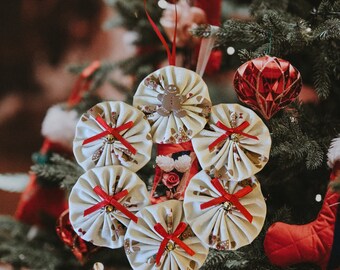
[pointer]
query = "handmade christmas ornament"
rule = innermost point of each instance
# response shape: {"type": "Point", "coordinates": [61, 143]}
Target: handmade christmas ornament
{"type": "Point", "coordinates": [176, 164]}
{"type": "Point", "coordinates": [80, 248]}
{"type": "Point", "coordinates": [316, 242]}
{"type": "Point", "coordinates": [162, 239]}
{"type": "Point", "coordinates": [176, 102]}
{"type": "Point", "coordinates": [103, 202]}
{"type": "Point", "coordinates": [267, 84]}
{"type": "Point", "coordinates": [224, 214]}
{"type": "Point", "coordinates": [112, 133]}
{"type": "Point", "coordinates": [236, 143]}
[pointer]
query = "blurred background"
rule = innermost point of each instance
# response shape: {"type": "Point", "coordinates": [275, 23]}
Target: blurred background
{"type": "Point", "coordinates": [38, 40]}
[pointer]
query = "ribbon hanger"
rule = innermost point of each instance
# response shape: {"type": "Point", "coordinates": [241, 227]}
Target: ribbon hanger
{"type": "Point", "coordinates": [207, 45]}
{"type": "Point", "coordinates": [171, 54]}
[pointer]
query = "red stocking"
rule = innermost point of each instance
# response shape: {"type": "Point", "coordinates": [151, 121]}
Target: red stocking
{"type": "Point", "coordinates": [317, 242]}
{"type": "Point", "coordinates": [38, 202]}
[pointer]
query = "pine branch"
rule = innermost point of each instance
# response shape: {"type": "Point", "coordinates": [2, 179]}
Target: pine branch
{"type": "Point", "coordinates": [59, 171]}
{"type": "Point", "coordinates": [25, 246]}
{"type": "Point", "coordinates": [329, 29]}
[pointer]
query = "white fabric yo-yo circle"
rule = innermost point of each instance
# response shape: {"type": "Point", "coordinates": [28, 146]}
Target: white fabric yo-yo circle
{"type": "Point", "coordinates": [108, 150]}
{"type": "Point", "coordinates": [222, 225]}
{"type": "Point", "coordinates": [176, 102]}
{"type": "Point", "coordinates": [238, 155]}
{"type": "Point", "coordinates": [142, 241]}
{"type": "Point", "coordinates": [106, 225]}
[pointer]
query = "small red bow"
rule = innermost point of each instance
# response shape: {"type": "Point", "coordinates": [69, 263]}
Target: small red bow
{"type": "Point", "coordinates": [233, 198]}
{"type": "Point", "coordinates": [229, 131]}
{"type": "Point", "coordinates": [174, 237]}
{"type": "Point", "coordinates": [114, 132]}
{"type": "Point", "coordinates": [110, 200]}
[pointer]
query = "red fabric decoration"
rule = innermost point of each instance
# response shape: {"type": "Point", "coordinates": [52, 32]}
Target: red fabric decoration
{"type": "Point", "coordinates": [79, 247]}
{"type": "Point", "coordinates": [291, 244]}
{"type": "Point", "coordinates": [37, 202]}
{"type": "Point", "coordinates": [267, 84]}
{"type": "Point", "coordinates": [158, 193]}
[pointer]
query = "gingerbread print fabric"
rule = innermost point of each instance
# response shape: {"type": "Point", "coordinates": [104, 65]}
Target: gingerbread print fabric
{"type": "Point", "coordinates": [235, 144]}
{"type": "Point", "coordinates": [176, 102]}
{"type": "Point", "coordinates": [112, 133]}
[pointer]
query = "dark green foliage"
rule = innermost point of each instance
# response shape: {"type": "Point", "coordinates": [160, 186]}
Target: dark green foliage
{"type": "Point", "coordinates": [59, 170]}
{"type": "Point", "coordinates": [23, 245]}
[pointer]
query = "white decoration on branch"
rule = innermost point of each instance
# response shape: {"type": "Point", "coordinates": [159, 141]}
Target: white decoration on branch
{"type": "Point", "coordinates": [59, 125]}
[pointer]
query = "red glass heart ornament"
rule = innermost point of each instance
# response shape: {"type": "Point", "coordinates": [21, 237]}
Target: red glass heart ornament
{"type": "Point", "coordinates": [80, 248]}
{"type": "Point", "coordinates": [267, 84]}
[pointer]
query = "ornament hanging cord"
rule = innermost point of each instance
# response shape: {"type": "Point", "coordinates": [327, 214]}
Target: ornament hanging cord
{"type": "Point", "coordinates": [171, 54]}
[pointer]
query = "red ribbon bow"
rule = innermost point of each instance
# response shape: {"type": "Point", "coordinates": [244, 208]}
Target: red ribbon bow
{"type": "Point", "coordinates": [229, 131]}
{"type": "Point", "coordinates": [114, 132]}
{"type": "Point", "coordinates": [233, 198]}
{"type": "Point", "coordinates": [173, 237]}
{"type": "Point", "coordinates": [110, 200]}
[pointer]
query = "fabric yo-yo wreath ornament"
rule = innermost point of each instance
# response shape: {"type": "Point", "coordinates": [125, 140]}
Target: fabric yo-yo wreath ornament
{"type": "Point", "coordinates": [112, 133]}
{"type": "Point", "coordinates": [163, 240]}
{"type": "Point", "coordinates": [103, 202]}
{"type": "Point", "coordinates": [267, 84]}
{"type": "Point", "coordinates": [236, 144]}
{"type": "Point", "coordinates": [225, 215]}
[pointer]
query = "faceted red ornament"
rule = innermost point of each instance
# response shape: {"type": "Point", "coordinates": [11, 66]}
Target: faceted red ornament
{"type": "Point", "coordinates": [267, 84]}
{"type": "Point", "coordinates": [80, 248]}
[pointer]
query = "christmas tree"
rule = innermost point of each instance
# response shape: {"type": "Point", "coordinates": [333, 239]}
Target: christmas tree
{"type": "Point", "coordinates": [289, 40]}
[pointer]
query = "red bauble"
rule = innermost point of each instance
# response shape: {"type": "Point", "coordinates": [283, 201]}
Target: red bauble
{"type": "Point", "coordinates": [267, 84]}
{"type": "Point", "coordinates": [80, 248]}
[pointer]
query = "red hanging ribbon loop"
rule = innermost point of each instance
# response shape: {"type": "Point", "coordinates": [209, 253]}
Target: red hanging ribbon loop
{"type": "Point", "coordinates": [114, 132]}
{"type": "Point", "coordinates": [110, 200]}
{"type": "Point", "coordinates": [229, 131]}
{"type": "Point", "coordinates": [171, 55]}
{"type": "Point", "coordinates": [173, 237]}
{"type": "Point", "coordinates": [232, 198]}
{"type": "Point", "coordinates": [83, 83]}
